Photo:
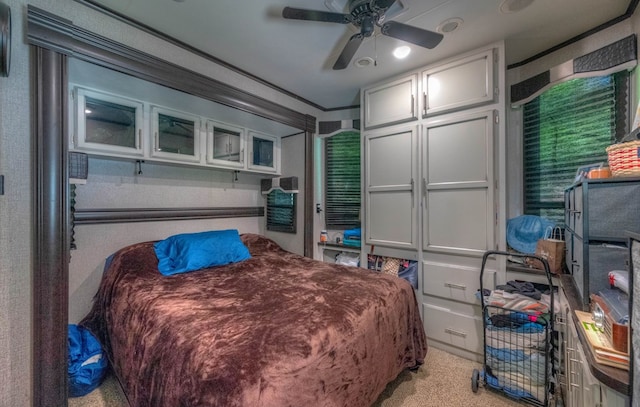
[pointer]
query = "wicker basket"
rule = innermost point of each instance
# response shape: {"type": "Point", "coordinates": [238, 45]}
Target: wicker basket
{"type": "Point", "coordinates": [624, 159]}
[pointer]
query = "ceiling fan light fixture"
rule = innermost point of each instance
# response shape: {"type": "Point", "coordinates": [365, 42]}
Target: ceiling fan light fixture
{"type": "Point", "coordinates": [402, 52]}
{"type": "Point", "coordinates": [450, 25]}
{"type": "Point", "coordinates": [514, 6]}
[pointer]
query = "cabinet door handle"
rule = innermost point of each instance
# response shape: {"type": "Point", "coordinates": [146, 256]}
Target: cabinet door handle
{"type": "Point", "coordinates": [456, 333]}
{"type": "Point", "coordinates": [139, 146]}
{"type": "Point", "coordinates": [412, 191]}
{"type": "Point", "coordinates": [242, 155]}
{"type": "Point", "coordinates": [458, 286]}
{"type": "Point", "coordinates": [413, 107]}
{"type": "Point", "coordinates": [424, 100]}
{"type": "Point", "coordinates": [157, 142]}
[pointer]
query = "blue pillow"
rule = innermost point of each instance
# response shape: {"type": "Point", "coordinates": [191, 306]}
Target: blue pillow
{"type": "Point", "coordinates": [195, 251]}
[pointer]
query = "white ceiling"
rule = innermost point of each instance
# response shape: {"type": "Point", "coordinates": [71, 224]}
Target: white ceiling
{"type": "Point", "coordinates": [297, 56]}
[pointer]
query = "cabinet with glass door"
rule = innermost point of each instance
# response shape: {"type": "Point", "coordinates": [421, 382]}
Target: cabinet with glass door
{"type": "Point", "coordinates": [264, 152]}
{"type": "Point", "coordinates": [176, 135]}
{"type": "Point", "coordinates": [225, 145]}
{"type": "Point", "coordinates": [107, 124]}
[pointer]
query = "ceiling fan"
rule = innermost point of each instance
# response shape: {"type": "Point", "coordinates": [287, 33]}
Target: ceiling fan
{"type": "Point", "coordinates": [366, 14]}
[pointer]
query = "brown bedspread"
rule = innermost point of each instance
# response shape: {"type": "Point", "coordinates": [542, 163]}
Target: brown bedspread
{"type": "Point", "coordinates": [276, 330]}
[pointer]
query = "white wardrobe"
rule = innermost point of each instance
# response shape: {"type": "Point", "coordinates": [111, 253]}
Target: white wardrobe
{"type": "Point", "coordinates": [433, 153]}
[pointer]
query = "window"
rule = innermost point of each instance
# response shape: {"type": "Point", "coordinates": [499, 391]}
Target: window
{"type": "Point", "coordinates": [281, 211]}
{"type": "Point", "coordinates": [342, 175]}
{"type": "Point", "coordinates": [566, 127]}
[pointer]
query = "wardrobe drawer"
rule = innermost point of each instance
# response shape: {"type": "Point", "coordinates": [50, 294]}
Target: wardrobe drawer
{"type": "Point", "coordinates": [462, 331]}
{"type": "Point", "coordinates": [454, 282]}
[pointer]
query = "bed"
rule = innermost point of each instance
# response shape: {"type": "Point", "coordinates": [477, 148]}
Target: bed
{"type": "Point", "coordinates": [277, 329]}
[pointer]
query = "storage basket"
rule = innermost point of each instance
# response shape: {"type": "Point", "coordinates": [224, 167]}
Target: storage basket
{"type": "Point", "coordinates": [624, 158]}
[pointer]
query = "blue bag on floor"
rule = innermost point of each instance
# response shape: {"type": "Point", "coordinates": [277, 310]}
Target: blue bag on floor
{"type": "Point", "coordinates": [87, 364]}
{"type": "Point", "coordinates": [410, 273]}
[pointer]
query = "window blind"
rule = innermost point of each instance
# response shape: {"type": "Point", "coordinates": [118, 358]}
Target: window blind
{"type": "Point", "coordinates": [566, 127]}
{"type": "Point", "coordinates": [342, 175]}
{"type": "Point", "coordinates": [281, 211]}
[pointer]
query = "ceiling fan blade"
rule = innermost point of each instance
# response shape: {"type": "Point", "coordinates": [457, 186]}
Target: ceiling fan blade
{"type": "Point", "coordinates": [348, 51]}
{"type": "Point", "coordinates": [414, 35]}
{"type": "Point", "coordinates": [314, 15]}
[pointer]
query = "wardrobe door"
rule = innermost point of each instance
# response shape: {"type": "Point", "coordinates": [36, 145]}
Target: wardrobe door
{"type": "Point", "coordinates": [391, 170]}
{"type": "Point", "coordinates": [458, 184]}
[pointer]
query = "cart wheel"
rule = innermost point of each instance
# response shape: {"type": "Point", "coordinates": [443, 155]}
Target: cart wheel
{"type": "Point", "coordinates": [475, 376]}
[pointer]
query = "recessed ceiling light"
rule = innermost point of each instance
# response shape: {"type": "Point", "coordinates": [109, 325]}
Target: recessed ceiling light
{"type": "Point", "coordinates": [513, 6]}
{"type": "Point", "coordinates": [401, 52]}
{"type": "Point", "coordinates": [450, 25]}
{"type": "Point", "coordinates": [364, 62]}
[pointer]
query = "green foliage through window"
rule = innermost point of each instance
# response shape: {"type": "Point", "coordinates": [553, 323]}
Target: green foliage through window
{"type": "Point", "coordinates": [342, 175]}
{"type": "Point", "coordinates": [281, 211]}
{"type": "Point", "coordinates": [569, 126]}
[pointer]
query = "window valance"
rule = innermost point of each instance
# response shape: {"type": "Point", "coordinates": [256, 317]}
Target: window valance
{"type": "Point", "coordinates": [612, 58]}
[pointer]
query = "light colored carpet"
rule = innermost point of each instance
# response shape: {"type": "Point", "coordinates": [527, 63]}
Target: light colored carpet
{"type": "Point", "coordinates": [443, 381]}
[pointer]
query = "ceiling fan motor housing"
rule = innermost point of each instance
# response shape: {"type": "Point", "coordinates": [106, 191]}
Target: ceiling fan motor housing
{"type": "Point", "coordinates": [362, 10]}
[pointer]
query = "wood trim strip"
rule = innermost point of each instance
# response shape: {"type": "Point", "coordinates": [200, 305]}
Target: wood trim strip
{"type": "Point", "coordinates": [51, 228]}
{"type": "Point", "coordinates": [127, 215]}
{"type": "Point", "coordinates": [49, 31]}
{"type": "Point", "coordinates": [309, 206]}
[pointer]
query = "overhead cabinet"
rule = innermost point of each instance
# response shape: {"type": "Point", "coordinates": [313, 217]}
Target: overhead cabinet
{"type": "Point", "coordinates": [176, 135]}
{"type": "Point", "coordinates": [108, 123]}
{"type": "Point", "coordinates": [457, 85]}
{"type": "Point", "coordinates": [391, 103]}
{"type": "Point", "coordinates": [264, 152]}
{"type": "Point", "coordinates": [116, 126]}
{"type": "Point", "coordinates": [225, 145]}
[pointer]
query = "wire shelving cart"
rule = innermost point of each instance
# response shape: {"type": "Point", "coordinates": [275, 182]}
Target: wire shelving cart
{"type": "Point", "coordinates": [518, 344]}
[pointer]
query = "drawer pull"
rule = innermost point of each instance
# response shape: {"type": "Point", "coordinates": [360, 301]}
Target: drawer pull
{"type": "Point", "coordinates": [456, 333]}
{"type": "Point", "coordinates": [458, 286]}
